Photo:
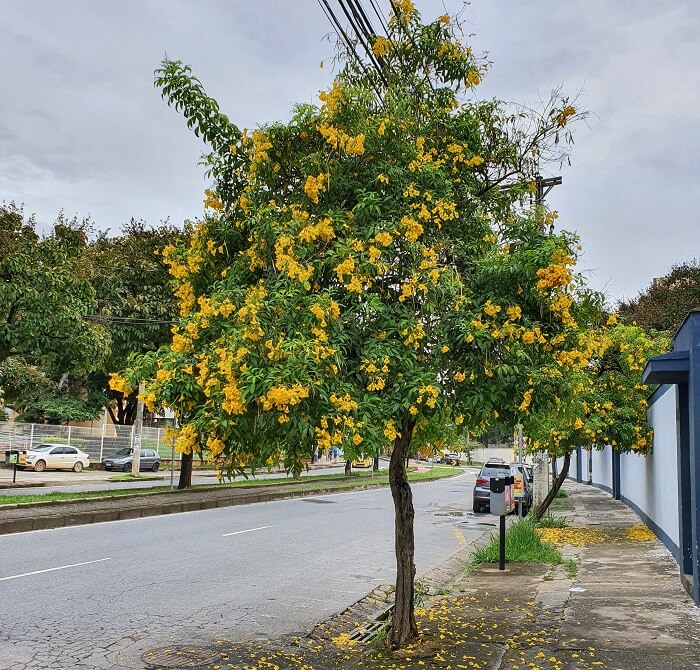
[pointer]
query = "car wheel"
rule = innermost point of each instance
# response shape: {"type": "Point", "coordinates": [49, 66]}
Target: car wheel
{"type": "Point", "coordinates": [39, 466]}
{"type": "Point", "coordinates": [78, 466]}
{"type": "Point", "coordinates": [127, 467]}
{"type": "Point", "coordinates": [155, 467]}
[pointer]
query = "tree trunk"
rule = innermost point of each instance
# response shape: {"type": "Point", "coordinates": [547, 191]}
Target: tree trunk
{"type": "Point", "coordinates": [403, 625]}
{"type": "Point", "coordinates": [541, 510]}
{"type": "Point", "coordinates": [185, 471]}
{"type": "Point", "coordinates": [375, 464]}
{"type": "Point", "coordinates": [348, 468]}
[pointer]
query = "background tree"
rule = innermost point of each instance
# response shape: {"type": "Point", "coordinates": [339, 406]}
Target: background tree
{"type": "Point", "coordinates": [602, 399]}
{"type": "Point", "coordinates": [371, 263]}
{"type": "Point", "coordinates": [46, 346]}
{"type": "Point", "coordinates": [664, 304]}
{"type": "Point", "coordinates": [37, 398]}
{"type": "Point", "coordinates": [44, 294]}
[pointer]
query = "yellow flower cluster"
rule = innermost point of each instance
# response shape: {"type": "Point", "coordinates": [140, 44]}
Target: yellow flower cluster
{"type": "Point", "coordinates": [345, 268]}
{"type": "Point", "coordinates": [211, 201]}
{"type": "Point", "coordinates": [315, 185]}
{"type": "Point", "coordinates": [345, 403]}
{"type": "Point", "coordinates": [491, 308]}
{"type": "Point", "coordinates": [283, 397]}
{"type": "Point", "coordinates": [175, 267]}
{"type": "Point", "coordinates": [181, 344]}
{"type": "Point", "coordinates": [390, 431]}
{"type": "Point", "coordinates": [332, 98]}
{"type": "Point", "coordinates": [286, 261]}
{"type": "Point", "coordinates": [377, 378]}
{"type": "Point", "coordinates": [214, 445]}
{"type": "Point", "coordinates": [322, 230]}
{"type": "Point", "coordinates": [380, 46]}
{"type": "Point", "coordinates": [563, 116]}
{"type": "Point", "coordinates": [413, 335]}
{"type": "Point", "coordinates": [473, 78]}
{"type": "Point", "coordinates": [233, 398]}
{"type": "Point", "coordinates": [187, 439]}
{"type": "Point", "coordinates": [428, 393]}
{"type": "Point", "coordinates": [413, 229]}
{"type": "Point", "coordinates": [261, 145]}
{"type": "Point", "coordinates": [553, 276]}
{"type": "Point", "coordinates": [514, 312]}
{"type": "Point", "coordinates": [527, 399]}
{"type": "Point", "coordinates": [340, 140]}
{"type": "Point", "coordinates": [119, 384]}
{"type": "Point", "coordinates": [383, 239]}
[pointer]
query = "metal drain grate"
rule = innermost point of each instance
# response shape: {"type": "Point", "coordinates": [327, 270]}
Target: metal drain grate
{"type": "Point", "coordinates": [367, 633]}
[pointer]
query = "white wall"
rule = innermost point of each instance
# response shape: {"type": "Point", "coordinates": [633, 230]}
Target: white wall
{"type": "Point", "coordinates": [651, 483]}
{"type": "Point", "coordinates": [481, 455]}
{"type": "Point", "coordinates": [602, 467]}
{"type": "Point", "coordinates": [648, 483]}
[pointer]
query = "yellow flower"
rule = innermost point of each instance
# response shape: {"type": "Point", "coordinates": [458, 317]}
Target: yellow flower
{"type": "Point", "coordinates": [491, 309]}
{"type": "Point", "coordinates": [314, 186]}
{"type": "Point", "coordinates": [513, 312]}
{"type": "Point", "coordinates": [383, 239]}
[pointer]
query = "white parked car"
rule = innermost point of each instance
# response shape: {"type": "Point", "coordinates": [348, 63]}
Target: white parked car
{"type": "Point", "coordinates": [56, 457]}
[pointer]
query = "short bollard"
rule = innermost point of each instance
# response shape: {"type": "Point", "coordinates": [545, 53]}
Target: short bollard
{"type": "Point", "coordinates": [502, 502]}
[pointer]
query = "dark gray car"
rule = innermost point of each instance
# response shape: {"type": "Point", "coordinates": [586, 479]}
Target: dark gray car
{"type": "Point", "coordinates": [122, 460]}
{"type": "Point", "coordinates": [482, 490]}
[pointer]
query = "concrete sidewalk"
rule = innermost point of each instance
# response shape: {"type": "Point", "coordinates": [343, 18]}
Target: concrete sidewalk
{"type": "Point", "coordinates": [625, 609]}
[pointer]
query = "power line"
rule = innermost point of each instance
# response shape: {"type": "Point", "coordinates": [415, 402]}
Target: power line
{"type": "Point", "coordinates": [127, 321]}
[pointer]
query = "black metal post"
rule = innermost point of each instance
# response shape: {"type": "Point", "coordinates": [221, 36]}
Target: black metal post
{"type": "Point", "coordinates": [14, 472]}
{"type": "Point", "coordinates": [502, 544]}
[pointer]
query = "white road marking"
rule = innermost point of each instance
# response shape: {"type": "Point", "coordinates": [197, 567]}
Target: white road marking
{"type": "Point", "coordinates": [62, 567]}
{"type": "Point", "coordinates": [250, 530]}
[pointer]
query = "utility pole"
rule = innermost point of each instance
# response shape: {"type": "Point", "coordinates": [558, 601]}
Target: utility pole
{"type": "Point", "coordinates": [544, 186]}
{"type": "Point", "coordinates": [138, 428]}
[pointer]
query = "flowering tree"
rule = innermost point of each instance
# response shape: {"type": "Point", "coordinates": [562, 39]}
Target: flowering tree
{"type": "Point", "coordinates": [603, 401]}
{"type": "Point", "coordinates": [367, 265]}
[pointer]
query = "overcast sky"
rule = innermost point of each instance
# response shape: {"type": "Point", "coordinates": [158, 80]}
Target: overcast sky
{"type": "Point", "coordinates": [82, 128]}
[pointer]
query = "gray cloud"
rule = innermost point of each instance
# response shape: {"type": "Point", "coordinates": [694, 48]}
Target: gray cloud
{"type": "Point", "coordinates": [83, 129]}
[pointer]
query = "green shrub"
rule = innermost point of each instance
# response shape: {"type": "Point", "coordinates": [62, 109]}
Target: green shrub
{"type": "Point", "coordinates": [523, 545]}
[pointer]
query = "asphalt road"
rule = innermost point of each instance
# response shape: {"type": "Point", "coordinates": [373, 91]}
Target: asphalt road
{"type": "Point", "coordinates": [100, 596]}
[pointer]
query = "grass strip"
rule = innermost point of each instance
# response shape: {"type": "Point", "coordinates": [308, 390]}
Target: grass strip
{"type": "Point", "coordinates": [335, 481]}
{"type": "Point", "coordinates": [523, 545]}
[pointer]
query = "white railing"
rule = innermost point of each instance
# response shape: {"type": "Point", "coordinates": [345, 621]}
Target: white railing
{"type": "Point", "coordinates": [96, 442]}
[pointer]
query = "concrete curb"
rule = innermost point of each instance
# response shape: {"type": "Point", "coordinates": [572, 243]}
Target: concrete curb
{"type": "Point", "coordinates": [61, 514]}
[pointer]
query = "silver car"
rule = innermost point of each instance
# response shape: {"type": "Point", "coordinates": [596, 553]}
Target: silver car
{"type": "Point", "coordinates": [122, 460]}
{"type": "Point", "coordinates": [482, 487]}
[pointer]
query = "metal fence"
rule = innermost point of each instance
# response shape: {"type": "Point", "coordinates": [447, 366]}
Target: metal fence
{"type": "Point", "coordinates": [98, 443]}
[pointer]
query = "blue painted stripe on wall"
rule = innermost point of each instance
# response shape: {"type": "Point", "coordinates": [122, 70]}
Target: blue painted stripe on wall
{"type": "Point", "coordinates": [658, 392]}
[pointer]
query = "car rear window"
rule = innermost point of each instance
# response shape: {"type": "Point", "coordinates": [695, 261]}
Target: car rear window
{"type": "Point", "coordinates": [494, 471]}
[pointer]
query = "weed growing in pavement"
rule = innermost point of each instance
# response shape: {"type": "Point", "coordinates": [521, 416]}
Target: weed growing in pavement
{"type": "Point", "coordinates": [561, 493]}
{"type": "Point", "coordinates": [378, 640]}
{"type": "Point", "coordinates": [571, 567]}
{"type": "Point", "coordinates": [552, 521]}
{"type": "Point", "coordinates": [420, 592]}
{"type": "Point", "coordinates": [523, 545]}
